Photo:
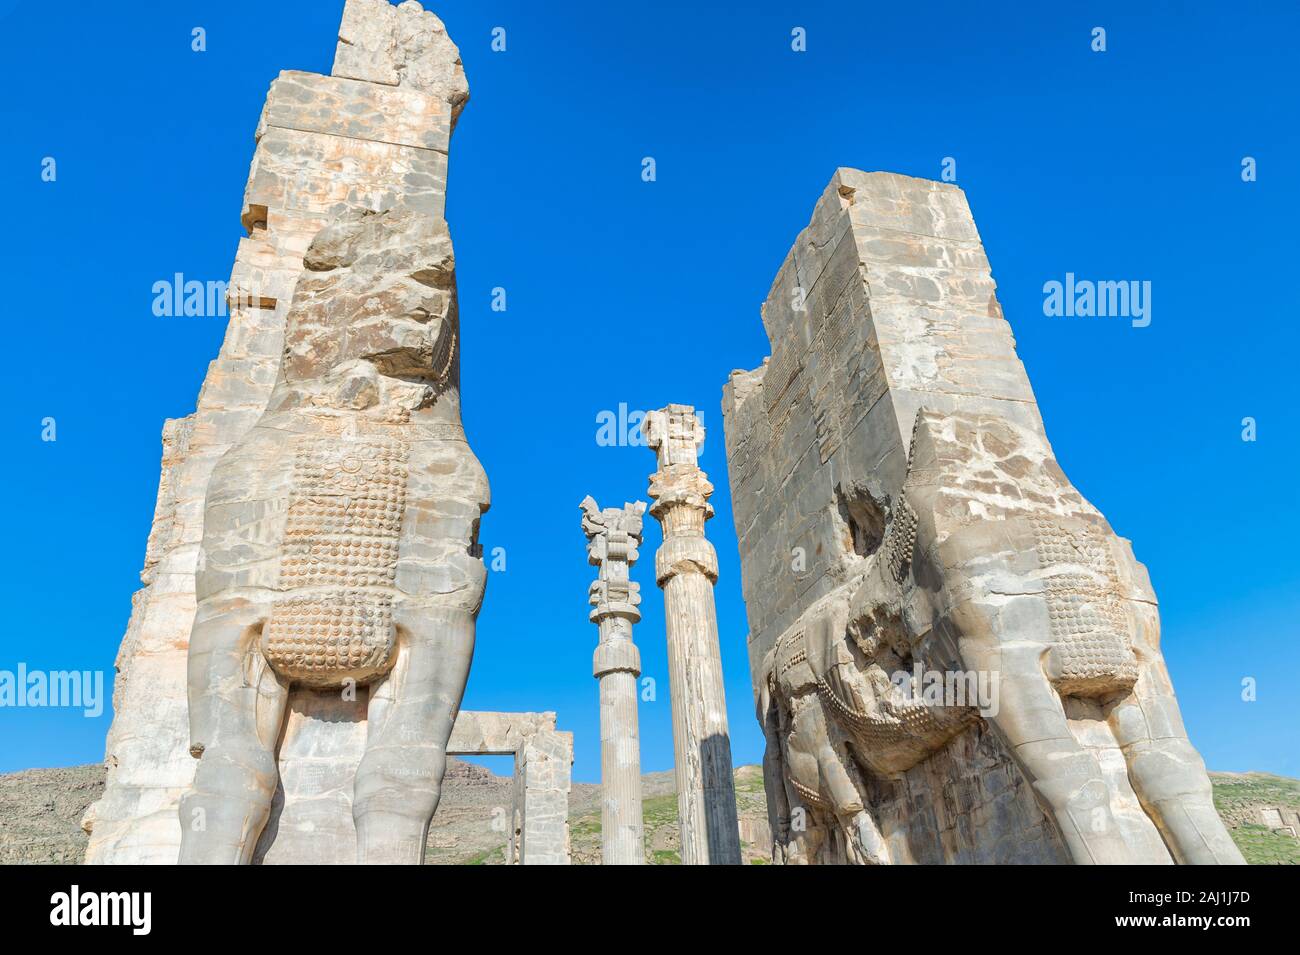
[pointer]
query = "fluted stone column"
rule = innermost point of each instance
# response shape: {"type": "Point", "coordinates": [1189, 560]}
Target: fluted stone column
{"type": "Point", "coordinates": [612, 538]}
{"type": "Point", "coordinates": [686, 567]}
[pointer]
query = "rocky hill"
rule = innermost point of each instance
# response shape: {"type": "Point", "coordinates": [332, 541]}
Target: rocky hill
{"type": "Point", "coordinates": [41, 810]}
{"type": "Point", "coordinates": [40, 813]}
{"type": "Point", "coordinates": [1251, 804]}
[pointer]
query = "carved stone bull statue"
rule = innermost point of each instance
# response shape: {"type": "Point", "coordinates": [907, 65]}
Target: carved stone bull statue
{"type": "Point", "coordinates": [340, 546]}
{"type": "Point", "coordinates": [990, 564]}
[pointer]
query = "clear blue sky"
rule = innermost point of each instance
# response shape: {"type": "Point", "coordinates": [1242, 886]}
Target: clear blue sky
{"type": "Point", "coordinates": [1122, 165]}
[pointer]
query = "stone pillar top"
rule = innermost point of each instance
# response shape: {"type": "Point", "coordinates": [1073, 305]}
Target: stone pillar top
{"type": "Point", "coordinates": [613, 533]}
{"type": "Point", "coordinates": [675, 433]}
{"type": "Point", "coordinates": [612, 538]}
{"type": "Point", "coordinates": [403, 45]}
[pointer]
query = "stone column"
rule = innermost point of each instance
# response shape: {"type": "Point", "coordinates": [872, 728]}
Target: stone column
{"type": "Point", "coordinates": [612, 538]}
{"type": "Point", "coordinates": [686, 567]}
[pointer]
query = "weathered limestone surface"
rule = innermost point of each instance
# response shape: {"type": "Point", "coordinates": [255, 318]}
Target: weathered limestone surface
{"type": "Point", "coordinates": [539, 825]}
{"type": "Point", "coordinates": [400, 45]}
{"type": "Point", "coordinates": [325, 145]}
{"type": "Point", "coordinates": [542, 757]}
{"type": "Point", "coordinates": [340, 561]}
{"type": "Point", "coordinates": [686, 567]}
{"type": "Point", "coordinates": [900, 512]}
{"type": "Point", "coordinates": [613, 535]}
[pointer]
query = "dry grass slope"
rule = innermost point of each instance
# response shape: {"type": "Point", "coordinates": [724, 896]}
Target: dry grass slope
{"type": "Point", "coordinates": [41, 810]}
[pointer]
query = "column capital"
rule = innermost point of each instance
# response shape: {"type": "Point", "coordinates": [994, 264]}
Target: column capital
{"type": "Point", "coordinates": [614, 598]}
{"type": "Point", "coordinates": [680, 485]}
{"type": "Point", "coordinates": [675, 433]}
{"type": "Point", "coordinates": [613, 535]}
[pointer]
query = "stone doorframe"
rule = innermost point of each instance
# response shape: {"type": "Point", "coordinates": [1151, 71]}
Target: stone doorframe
{"type": "Point", "coordinates": [539, 818]}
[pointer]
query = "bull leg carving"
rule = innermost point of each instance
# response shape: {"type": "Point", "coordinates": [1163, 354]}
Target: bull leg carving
{"type": "Point", "coordinates": [1166, 772]}
{"type": "Point", "coordinates": [236, 706]}
{"type": "Point", "coordinates": [1065, 777]}
{"type": "Point", "coordinates": [1000, 630]}
{"type": "Point", "coordinates": [824, 790]}
{"type": "Point", "coordinates": [410, 715]}
{"type": "Point", "coordinates": [774, 772]}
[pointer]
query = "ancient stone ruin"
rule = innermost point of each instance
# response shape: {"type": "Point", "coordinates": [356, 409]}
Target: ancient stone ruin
{"type": "Point", "coordinates": [613, 535]}
{"type": "Point", "coordinates": [339, 561]}
{"type": "Point", "coordinates": [686, 567]}
{"type": "Point", "coordinates": [289, 682]}
{"type": "Point", "coordinates": [903, 524]}
{"type": "Point", "coordinates": [537, 830]}
{"type": "Point", "coordinates": [954, 657]}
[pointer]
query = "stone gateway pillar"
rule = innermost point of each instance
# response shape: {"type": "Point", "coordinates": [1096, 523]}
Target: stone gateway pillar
{"type": "Point", "coordinates": [322, 496]}
{"type": "Point", "coordinates": [612, 538]}
{"type": "Point", "coordinates": [686, 567]}
{"type": "Point", "coordinates": [893, 446]}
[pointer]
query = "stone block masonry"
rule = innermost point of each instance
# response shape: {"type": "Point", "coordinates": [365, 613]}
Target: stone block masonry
{"type": "Point", "coordinates": [900, 511]}
{"type": "Point", "coordinates": [372, 136]}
